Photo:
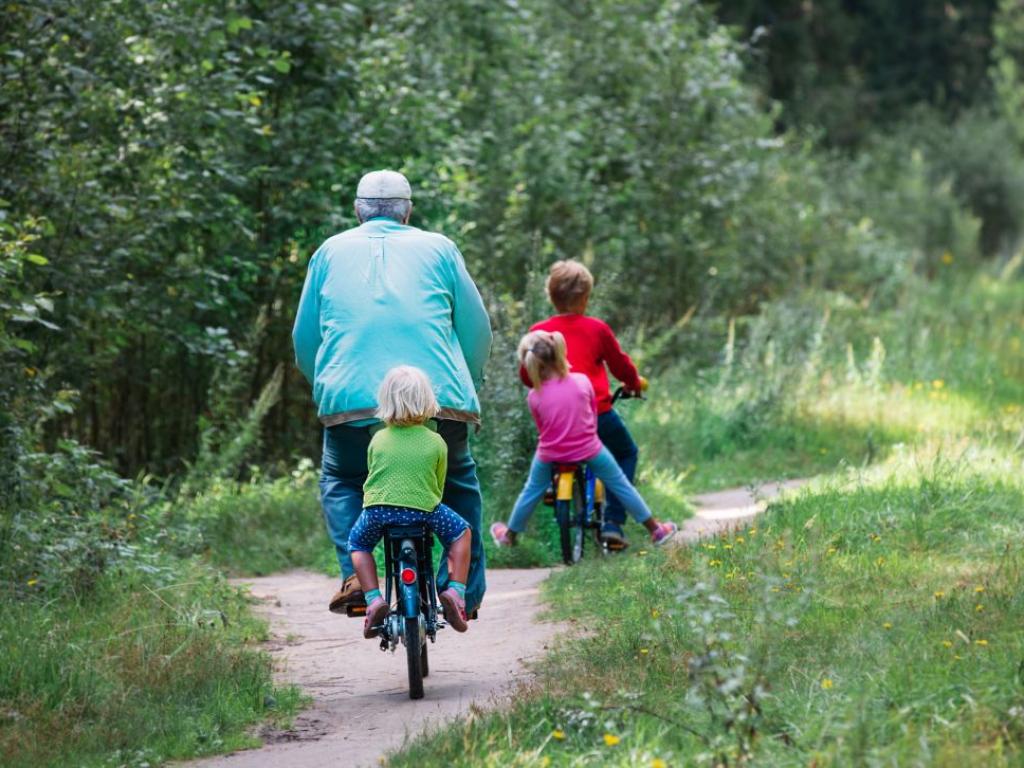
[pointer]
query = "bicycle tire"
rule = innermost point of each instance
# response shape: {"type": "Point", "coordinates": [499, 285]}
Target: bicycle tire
{"type": "Point", "coordinates": [563, 510]}
{"type": "Point", "coordinates": [413, 657]}
{"type": "Point", "coordinates": [579, 527]}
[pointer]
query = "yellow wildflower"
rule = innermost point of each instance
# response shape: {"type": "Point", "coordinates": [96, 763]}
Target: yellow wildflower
{"type": "Point", "coordinates": [826, 684]}
{"type": "Point", "coordinates": [981, 642]}
{"type": "Point", "coordinates": [558, 735]}
{"type": "Point", "coordinates": [979, 590]}
{"type": "Point", "coordinates": [658, 763]}
{"type": "Point", "coordinates": [939, 595]}
{"type": "Point", "coordinates": [33, 582]}
{"type": "Point", "coordinates": [979, 608]}
{"type": "Point", "coordinates": [545, 761]}
{"type": "Point", "coordinates": [642, 552]}
{"type": "Point", "coordinates": [831, 551]}
{"type": "Point", "coordinates": [947, 258]}
{"type": "Point", "coordinates": [887, 625]}
{"type": "Point", "coordinates": [610, 740]}
{"type": "Point", "coordinates": [947, 643]}
{"type": "Point", "coordinates": [644, 651]}
{"type": "Point", "coordinates": [655, 614]}
{"type": "Point", "coordinates": [938, 384]}
{"type": "Point", "coordinates": [740, 540]}
{"type": "Point", "coordinates": [714, 563]}
{"type": "Point", "coordinates": [880, 561]}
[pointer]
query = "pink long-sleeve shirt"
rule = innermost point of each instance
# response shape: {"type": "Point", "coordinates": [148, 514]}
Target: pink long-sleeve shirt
{"type": "Point", "coordinates": [565, 411]}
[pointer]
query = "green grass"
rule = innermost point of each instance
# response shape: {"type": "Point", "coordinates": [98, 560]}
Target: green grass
{"type": "Point", "coordinates": [872, 619]}
{"type": "Point", "coordinates": [138, 673]}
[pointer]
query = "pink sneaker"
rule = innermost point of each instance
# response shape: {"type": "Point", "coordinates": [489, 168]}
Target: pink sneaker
{"type": "Point", "coordinates": [454, 608]}
{"type": "Point", "coordinates": [500, 534]}
{"type": "Point", "coordinates": [375, 614]}
{"type": "Point", "coordinates": [664, 532]}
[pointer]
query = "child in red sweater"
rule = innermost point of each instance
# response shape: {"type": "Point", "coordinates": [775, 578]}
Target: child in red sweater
{"type": "Point", "coordinates": [591, 347]}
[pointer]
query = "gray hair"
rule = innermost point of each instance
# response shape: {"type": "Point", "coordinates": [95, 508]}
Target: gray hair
{"type": "Point", "coordinates": [390, 207]}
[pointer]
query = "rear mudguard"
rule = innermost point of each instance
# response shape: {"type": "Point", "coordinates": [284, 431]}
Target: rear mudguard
{"type": "Point", "coordinates": [409, 594]}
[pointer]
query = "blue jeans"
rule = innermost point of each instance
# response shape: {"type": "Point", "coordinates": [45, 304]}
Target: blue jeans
{"type": "Point", "coordinates": [343, 473]}
{"type": "Point", "coordinates": [603, 466]}
{"type": "Point", "coordinates": [612, 431]}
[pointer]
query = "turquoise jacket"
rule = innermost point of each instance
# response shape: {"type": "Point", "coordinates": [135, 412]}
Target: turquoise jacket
{"type": "Point", "coordinates": [385, 294]}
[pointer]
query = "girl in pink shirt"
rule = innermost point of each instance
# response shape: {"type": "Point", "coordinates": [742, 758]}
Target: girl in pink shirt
{"type": "Point", "coordinates": [564, 408]}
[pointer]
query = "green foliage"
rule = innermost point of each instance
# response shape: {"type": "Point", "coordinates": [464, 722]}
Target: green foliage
{"type": "Point", "coordinates": [136, 675]}
{"type": "Point", "coordinates": [871, 618]}
{"type": "Point", "coordinates": [848, 67]}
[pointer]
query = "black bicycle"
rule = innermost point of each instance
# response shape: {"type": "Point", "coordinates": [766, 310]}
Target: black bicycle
{"type": "Point", "coordinates": [411, 592]}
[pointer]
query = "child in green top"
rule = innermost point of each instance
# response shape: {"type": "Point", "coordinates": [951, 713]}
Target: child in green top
{"type": "Point", "coordinates": [407, 463]}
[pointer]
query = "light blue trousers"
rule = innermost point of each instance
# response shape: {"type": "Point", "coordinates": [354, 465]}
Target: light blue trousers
{"type": "Point", "coordinates": [603, 466]}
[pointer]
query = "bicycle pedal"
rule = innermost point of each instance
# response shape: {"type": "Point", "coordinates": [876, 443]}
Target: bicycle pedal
{"type": "Point", "coordinates": [353, 611]}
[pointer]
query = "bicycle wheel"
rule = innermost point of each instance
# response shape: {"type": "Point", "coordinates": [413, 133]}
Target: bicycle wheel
{"type": "Point", "coordinates": [563, 515]}
{"type": "Point", "coordinates": [579, 521]}
{"type": "Point", "coordinates": [414, 656]}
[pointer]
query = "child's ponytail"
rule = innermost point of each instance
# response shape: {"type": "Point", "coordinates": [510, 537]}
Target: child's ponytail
{"type": "Point", "coordinates": [542, 354]}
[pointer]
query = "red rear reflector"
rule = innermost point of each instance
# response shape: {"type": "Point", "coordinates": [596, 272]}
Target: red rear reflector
{"type": "Point", "coordinates": [408, 575]}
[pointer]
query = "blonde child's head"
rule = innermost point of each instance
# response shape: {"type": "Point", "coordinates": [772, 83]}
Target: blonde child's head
{"type": "Point", "coordinates": [405, 397]}
{"type": "Point", "coordinates": [542, 354]}
{"type": "Point", "coordinates": [569, 285]}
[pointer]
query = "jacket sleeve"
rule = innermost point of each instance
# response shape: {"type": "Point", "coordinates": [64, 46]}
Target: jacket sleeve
{"type": "Point", "coordinates": [306, 331]}
{"type": "Point", "coordinates": [620, 364]}
{"type": "Point", "coordinates": [469, 316]}
{"type": "Point", "coordinates": [524, 376]}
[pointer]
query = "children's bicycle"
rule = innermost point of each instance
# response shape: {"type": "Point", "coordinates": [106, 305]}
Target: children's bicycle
{"type": "Point", "coordinates": [579, 501]}
{"type": "Point", "coordinates": [413, 618]}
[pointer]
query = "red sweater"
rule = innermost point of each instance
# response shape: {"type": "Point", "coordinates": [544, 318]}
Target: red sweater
{"type": "Point", "coordinates": [590, 344]}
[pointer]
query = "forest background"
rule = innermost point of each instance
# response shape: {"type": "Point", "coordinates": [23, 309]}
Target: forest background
{"type": "Point", "coordinates": [168, 169]}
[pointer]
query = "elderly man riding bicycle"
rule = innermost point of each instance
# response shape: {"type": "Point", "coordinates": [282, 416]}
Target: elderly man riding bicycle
{"type": "Point", "coordinates": [377, 296]}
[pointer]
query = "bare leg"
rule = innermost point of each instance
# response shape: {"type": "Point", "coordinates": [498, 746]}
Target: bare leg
{"type": "Point", "coordinates": [366, 570]}
{"type": "Point", "coordinates": [651, 524]}
{"type": "Point", "coordinates": [458, 557]}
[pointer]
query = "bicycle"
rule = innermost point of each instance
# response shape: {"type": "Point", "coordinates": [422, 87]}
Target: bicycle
{"type": "Point", "coordinates": [413, 619]}
{"type": "Point", "coordinates": [578, 498]}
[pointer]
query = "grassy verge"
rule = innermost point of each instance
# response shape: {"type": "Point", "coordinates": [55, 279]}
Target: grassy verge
{"type": "Point", "coordinates": [141, 671]}
{"type": "Point", "coordinates": [872, 619]}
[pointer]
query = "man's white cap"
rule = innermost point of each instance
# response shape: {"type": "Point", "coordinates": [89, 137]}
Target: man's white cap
{"type": "Point", "coordinates": [384, 184]}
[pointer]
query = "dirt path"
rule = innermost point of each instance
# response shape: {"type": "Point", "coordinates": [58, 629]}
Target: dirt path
{"type": "Point", "coordinates": [361, 707]}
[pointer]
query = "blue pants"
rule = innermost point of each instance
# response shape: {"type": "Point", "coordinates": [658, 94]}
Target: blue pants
{"type": "Point", "coordinates": [343, 473]}
{"type": "Point", "coordinates": [612, 431]}
{"type": "Point", "coordinates": [603, 466]}
{"type": "Point", "coordinates": [369, 528]}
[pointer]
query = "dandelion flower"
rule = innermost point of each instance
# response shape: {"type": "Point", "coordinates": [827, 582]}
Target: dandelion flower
{"type": "Point", "coordinates": [658, 763]}
{"type": "Point", "coordinates": [939, 595]}
{"type": "Point", "coordinates": [981, 642]}
{"type": "Point", "coordinates": [558, 735]}
{"type": "Point", "coordinates": [33, 582]}
{"type": "Point", "coordinates": [887, 625]}
{"type": "Point", "coordinates": [979, 608]}
{"type": "Point", "coordinates": [979, 590]}
{"type": "Point", "coordinates": [826, 684]}
{"type": "Point", "coordinates": [610, 740]}
{"type": "Point", "coordinates": [644, 651]}
{"type": "Point", "coordinates": [740, 540]}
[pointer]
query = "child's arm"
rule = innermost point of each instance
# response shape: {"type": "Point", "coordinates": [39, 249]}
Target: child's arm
{"type": "Point", "coordinates": [619, 363]}
{"type": "Point", "coordinates": [442, 463]}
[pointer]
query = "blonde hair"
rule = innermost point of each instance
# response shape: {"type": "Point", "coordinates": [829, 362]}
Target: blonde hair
{"type": "Point", "coordinates": [405, 397]}
{"type": "Point", "coordinates": [569, 285]}
{"type": "Point", "coordinates": [542, 354]}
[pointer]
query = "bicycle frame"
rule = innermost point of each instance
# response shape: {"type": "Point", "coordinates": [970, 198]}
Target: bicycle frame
{"type": "Point", "coordinates": [409, 548]}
